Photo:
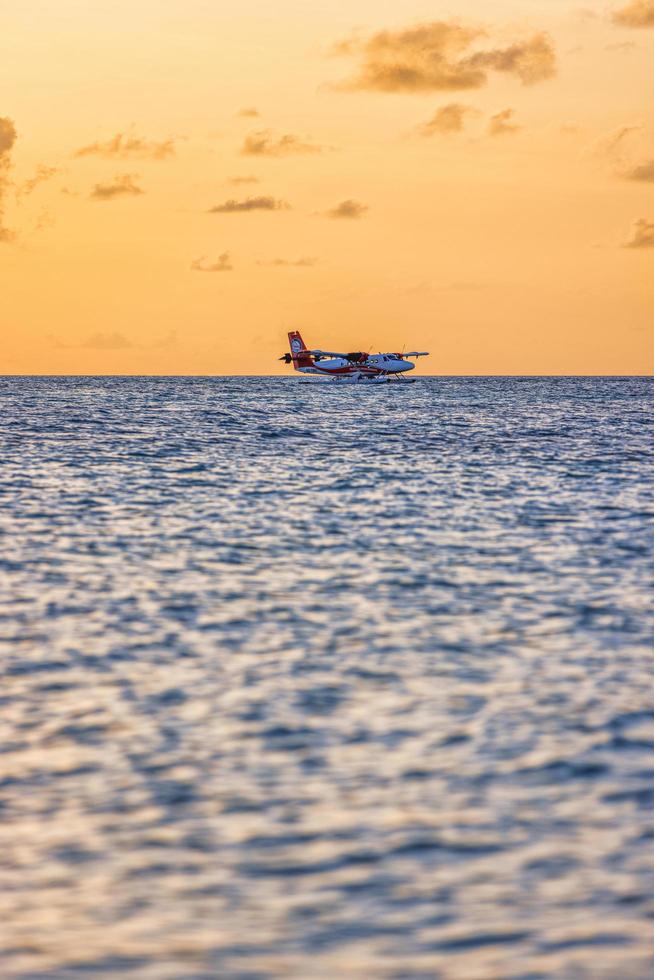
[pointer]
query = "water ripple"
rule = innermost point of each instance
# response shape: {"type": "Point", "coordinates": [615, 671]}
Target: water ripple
{"type": "Point", "coordinates": [302, 683]}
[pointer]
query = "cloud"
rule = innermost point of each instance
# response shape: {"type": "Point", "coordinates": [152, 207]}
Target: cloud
{"type": "Point", "coordinates": [42, 174]}
{"type": "Point", "coordinates": [438, 56]}
{"type": "Point", "coordinates": [106, 341]}
{"type": "Point", "coordinates": [448, 119]}
{"type": "Point", "coordinates": [621, 46]}
{"type": "Point", "coordinates": [124, 147]}
{"type": "Point", "coordinates": [250, 113]}
{"type": "Point", "coordinates": [45, 219]}
{"type": "Point", "coordinates": [222, 265]}
{"type": "Point", "coordinates": [348, 209]}
{"type": "Point", "coordinates": [122, 184]}
{"type": "Point", "coordinates": [7, 136]}
{"type": "Point", "coordinates": [613, 141]}
{"type": "Point", "coordinates": [235, 181]}
{"type": "Point", "coordinates": [532, 61]}
{"type": "Point", "coordinates": [263, 203]}
{"type": "Point", "coordinates": [7, 140]}
{"type": "Point", "coordinates": [643, 235]}
{"type": "Point", "coordinates": [500, 124]}
{"type": "Point", "coordinates": [638, 13]}
{"type": "Point", "coordinates": [112, 341]}
{"type": "Point", "coordinates": [611, 146]}
{"type": "Point", "coordinates": [644, 172]}
{"type": "Point", "coordinates": [303, 263]}
{"type": "Point", "coordinates": [264, 144]}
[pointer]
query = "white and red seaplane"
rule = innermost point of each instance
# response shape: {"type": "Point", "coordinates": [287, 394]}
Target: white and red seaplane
{"type": "Point", "coordinates": [353, 368]}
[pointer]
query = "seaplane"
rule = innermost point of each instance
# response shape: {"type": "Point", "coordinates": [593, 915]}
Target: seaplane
{"type": "Point", "coordinates": [349, 368]}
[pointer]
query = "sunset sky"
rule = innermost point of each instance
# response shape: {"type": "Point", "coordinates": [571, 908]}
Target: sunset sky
{"type": "Point", "coordinates": [182, 181]}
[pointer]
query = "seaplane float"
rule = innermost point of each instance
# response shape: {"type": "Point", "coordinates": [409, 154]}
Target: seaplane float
{"type": "Point", "coordinates": [352, 368]}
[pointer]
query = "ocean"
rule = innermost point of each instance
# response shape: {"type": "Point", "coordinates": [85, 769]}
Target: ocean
{"type": "Point", "coordinates": [312, 683]}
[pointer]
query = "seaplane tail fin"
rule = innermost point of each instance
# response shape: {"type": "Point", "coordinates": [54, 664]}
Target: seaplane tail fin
{"type": "Point", "coordinates": [299, 352]}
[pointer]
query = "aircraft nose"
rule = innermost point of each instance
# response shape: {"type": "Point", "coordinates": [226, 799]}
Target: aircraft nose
{"type": "Point", "coordinates": [408, 366]}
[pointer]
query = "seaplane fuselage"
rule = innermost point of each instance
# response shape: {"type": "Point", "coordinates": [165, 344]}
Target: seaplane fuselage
{"type": "Point", "coordinates": [355, 365]}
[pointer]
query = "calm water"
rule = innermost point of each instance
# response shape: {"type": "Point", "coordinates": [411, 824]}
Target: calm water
{"type": "Point", "coordinates": [314, 684]}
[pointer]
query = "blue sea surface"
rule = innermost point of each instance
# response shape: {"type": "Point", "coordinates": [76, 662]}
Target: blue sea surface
{"type": "Point", "coordinates": [311, 683]}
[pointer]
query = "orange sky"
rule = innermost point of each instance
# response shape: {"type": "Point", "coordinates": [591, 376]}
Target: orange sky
{"type": "Point", "coordinates": [472, 179]}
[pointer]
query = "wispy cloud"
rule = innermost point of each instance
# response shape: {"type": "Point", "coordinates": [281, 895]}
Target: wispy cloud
{"type": "Point", "coordinates": [223, 264]}
{"type": "Point", "coordinates": [448, 119]}
{"type": "Point", "coordinates": [643, 171]}
{"type": "Point", "coordinates": [610, 145]}
{"type": "Point", "coordinates": [266, 144]}
{"type": "Point", "coordinates": [42, 174]}
{"type": "Point", "coordinates": [621, 46]}
{"type": "Point", "coordinates": [45, 219]}
{"type": "Point", "coordinates": [303, 263]}
{"type": "Point", "coordinates": [112, 341]}
{"type": "Point", "coordinates": [7, 140]}
{"type": "Point", "coordinates": [440, 56]}
{"type": "Point", "coordinates": [643, 235]}
{"type": "Point", "coordinates": [107, 341]}
{"type": "Point", "coordinates": [95, 341]}
{"type": "Point", "coordinates": [263, 203]}
{"type": "Point", "coordinates": [348, 209]}
{"type": "Point", "coordinates": [249, 113]}
{"type": "Point", "coordinates": [500, 124]}
{"type": "Point", "coordinates": [125, 147]}
{"type": "Point", "coordinates": [246, 179]}
{"type": "Point", "coordinates": [123, 184]}
{"type": "Point", "coordinates": [638, 13]}
{"type": "Point", "coordinates": [7, 136]}
{"type": "Point", "coordinates": [532, 60]}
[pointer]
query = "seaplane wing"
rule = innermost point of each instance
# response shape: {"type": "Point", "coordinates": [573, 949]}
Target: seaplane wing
{"type": "Point", "coordinates": [416, 353]}
{"type": "Point", "coordinates": [326, 353]}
